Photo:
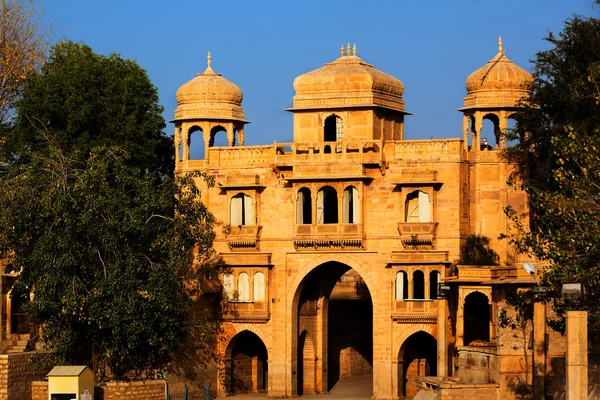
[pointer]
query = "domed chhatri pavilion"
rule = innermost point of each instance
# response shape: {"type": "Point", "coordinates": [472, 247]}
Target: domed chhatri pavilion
{"type": "Point", "coordinates": [343, 247]}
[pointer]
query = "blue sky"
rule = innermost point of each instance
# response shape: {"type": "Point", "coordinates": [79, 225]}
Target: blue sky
{"type": "Point", "coordinates": [261, 46]}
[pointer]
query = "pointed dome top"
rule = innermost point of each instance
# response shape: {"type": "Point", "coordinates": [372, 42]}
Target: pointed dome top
{"type": "Point", "coordinates": [499, 83]}
{"type": "Point", "coordinates": [209, 96]}
{"type": "Point", "coordinates": [348, 82]}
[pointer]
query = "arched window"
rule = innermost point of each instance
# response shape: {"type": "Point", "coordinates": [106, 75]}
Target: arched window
{"type": "Point", "coordinates": [334, 129]}
{"type": "Point", "coordinates": [259, 286]}
{"type": "Point", "coordinates": [401, 285]}
{"type": "Point", "coordinates": [228, 286]}
{"type": "Point", "coordinates": [195, 143]}
{"type": "Point", "coordinates": [218, 139]}
{"type": "Point", "coordinates": [418, 207]}
{"type": "Point", "coordinates": [418, 285]}
{"type": "Point", "coordinates": [476, 318]}
{"type": "Point", "coordinates": [243, 287]}
{"type": "Point", "coordinates": [241, 211]}
{"type": "Point", "coordinates": [434, 280]}
{"type": "Point", "coordinates": [351, 204]}
{"type": "Point", "coordinates": [303, 207]}
{"type": "Point", "coordinates": [327, 206]}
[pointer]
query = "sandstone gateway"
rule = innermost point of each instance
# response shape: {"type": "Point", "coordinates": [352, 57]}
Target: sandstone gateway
{"type": "Point", "coordinates": [336, 244]}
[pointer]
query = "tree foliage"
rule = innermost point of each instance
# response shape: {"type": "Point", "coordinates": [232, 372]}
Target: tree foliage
{"type": "Point", "coordinates": [24, 45]}
{"type": "Point", "coordinates": [88, 100]}
{"type": "Point", "coordinates": [519, 319]}
{"type": "Point", "coordinates": [476, 251]}
{"type": "Point", "coordinates": [101, 235]}
{"type": "Point", "coordinates": [560, 171]}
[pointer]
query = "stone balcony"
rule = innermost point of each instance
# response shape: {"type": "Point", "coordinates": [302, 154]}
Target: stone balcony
{"type": "Point", "coordinates": [415, 311]}
{"type": "Point", "coordinates": [416, 235]}
{"type": "Point", "coordinates": [327, 236]}
{"type": "Point", "coordinates": [243, 237]}
{"type": "Point", "coordinates": [247, 311]}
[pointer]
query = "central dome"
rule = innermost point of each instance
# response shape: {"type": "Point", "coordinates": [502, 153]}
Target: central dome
{"type": "Point", "coordinates": [348, 82]}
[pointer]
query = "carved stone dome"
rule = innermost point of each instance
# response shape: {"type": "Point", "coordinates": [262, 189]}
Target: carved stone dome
{"type": "Point", "coordinates": [209, 96]}
{"type": "Point", "coordinates": [499, 83]}
{"type": "Point", "coordinates": [348, 82]}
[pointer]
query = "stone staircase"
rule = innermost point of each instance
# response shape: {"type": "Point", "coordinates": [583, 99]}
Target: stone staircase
{"type": "Point", "coordinates": [15, 343]}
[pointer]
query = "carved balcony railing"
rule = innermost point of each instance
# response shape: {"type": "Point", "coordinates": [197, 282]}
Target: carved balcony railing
{"type": "Point", "coordinates": [415, 311]}
{"type": "Point", "coordinates": [417, 234]}
{"type": "Point", "coordinates": [243, 237]}
{"type": "Point", "coordinates": [245, 311]}
{"type": "Point", "coordinates": [326, 236]}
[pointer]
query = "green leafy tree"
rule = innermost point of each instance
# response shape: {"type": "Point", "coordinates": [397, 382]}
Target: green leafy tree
{"type": "Point", "coordinates": [476, 251]}
{"type": "Point", "coordinates": [103, 247]}
{"type": "Point", "coordinates": [88, 100]}
{"type": "Point", "coordinates": [101, 234]}
{"type": "Point", "coordinates": [560, 168]}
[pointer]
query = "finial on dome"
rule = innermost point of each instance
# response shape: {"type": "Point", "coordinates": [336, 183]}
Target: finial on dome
{"type": "Point", "coordinates": [208, 69]}
{"type": "Point", "coordinates": [342, 51]}
{"type": "Point", "coordinates": [354, 50]}
{"type": "Point", "coordinates": [499, 44]}
{"type": "Point", "coordinates": [348, 49]}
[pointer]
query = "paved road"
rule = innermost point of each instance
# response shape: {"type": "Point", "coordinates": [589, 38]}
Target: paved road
{"type": "Point", "coordinates": [347, 389]}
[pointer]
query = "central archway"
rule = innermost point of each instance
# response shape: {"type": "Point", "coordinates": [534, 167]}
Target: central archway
{"type": "Point", "coordinates": [332, 330]}
{"type": "Point", "coordinates": [417, 357]}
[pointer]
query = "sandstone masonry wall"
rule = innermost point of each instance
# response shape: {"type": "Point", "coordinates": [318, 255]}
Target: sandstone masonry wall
{"type": "Point", "coordinates": [39, 390]}
{"type": "Point", "coordinates": [147, 390]}
{"type": "Point", "coordinates": [16, 375]}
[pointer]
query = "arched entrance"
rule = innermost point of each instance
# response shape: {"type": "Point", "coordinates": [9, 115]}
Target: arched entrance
{"type": "Point", "coordinates": [418, 357]}
{"type": "Point", "coordinates": [476, 318]}
{"type": "Point", "coordinates": [333, 330]}
{"type": "Point", "coordinates": [246, 364]}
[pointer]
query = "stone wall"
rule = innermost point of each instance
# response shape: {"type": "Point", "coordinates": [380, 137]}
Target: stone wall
{"type": "Point", "coordinates": [429, 387]}
{"type": "Point", "coordinates": [477, 365]}
{"type": "Point", "coordinates": [555, 383]}
{"type": "Point", "coordinates": [353, 364]}
{"type": "Point", "coordinates": [39, 390]}
{"type": "Point", "coordinates": [147, 390]}
{"type": "Point", "coordinates": [16, 375]}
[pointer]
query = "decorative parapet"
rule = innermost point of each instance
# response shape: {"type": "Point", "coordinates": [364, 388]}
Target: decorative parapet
{"type": "Point", "coordinates": [366, 152]}
{"type": "Point", "coordinates": [415, 311]}
{"type": "Point", "coordinates": [328, 236]}
{"type": "Point", "coordinates": [417, 234]}
{"type": "Point", "coordinates": [469, 273]}
{"type": "Point", "coordinates": [245, 311]}
{"type": "Point", "coordinates": [243, 237]}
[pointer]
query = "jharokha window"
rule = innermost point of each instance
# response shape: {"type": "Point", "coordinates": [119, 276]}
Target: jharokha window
{"type": "Point", "coordinates": [351, 206]}
{"type": "Point", "coordinates": [418, 207]}
{"type": "Point", "coordinates": [241, 211]}
{"type": "Point", "coordinates": [327, 206]}
{"type": "Point", "coordinates": [239, 289]}
{"type": "Point", "coordinates": [303, 207]}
